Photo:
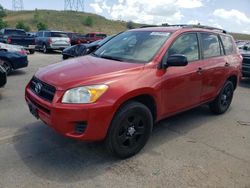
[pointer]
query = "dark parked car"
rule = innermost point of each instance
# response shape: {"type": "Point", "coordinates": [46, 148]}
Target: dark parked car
{"type": "Point", "coordinates": [18, 37]}
{"type": "Point", "coordinates": [245, 52]}
{"type": "Point", "coordinates": [52, 40]}
{"type": "Point", "coordinates": [3, 76]}
{"type": "Point", "coordinates": [12, 60]}
{"type": "Point", "coordinates": [83, 49]}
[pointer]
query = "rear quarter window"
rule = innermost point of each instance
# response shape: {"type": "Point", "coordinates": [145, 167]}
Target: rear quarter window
{"type": "Point", "coordinates": [227, 42]}
{"type": "Point", "coordinates": [210, 45]}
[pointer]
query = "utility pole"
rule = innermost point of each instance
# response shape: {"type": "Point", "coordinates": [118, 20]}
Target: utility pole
{"type": "Point", "coordinates": [17, 5]}
{"type": "Point", "coordinates": [74, 5]}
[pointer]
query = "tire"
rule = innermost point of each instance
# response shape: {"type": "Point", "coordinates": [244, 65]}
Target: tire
{"type": "Point", "coordinates": [7, 66]}
{"type": "Point", "coordinates": [32, 51]}
{"type": "Point", "coordinates": [65, 57]}
{"type": "Point", "coordinates": [45, 49]}
{"type": "Point", "coordinates": [224, 99]}
{"type": "Point", "coordinates": [130, 130]}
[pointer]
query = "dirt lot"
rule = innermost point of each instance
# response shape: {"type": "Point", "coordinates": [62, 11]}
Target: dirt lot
{"type": "Point", "coordinates": [193, 149]}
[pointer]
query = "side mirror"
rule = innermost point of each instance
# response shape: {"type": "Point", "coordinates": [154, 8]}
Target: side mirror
{"type": "Point", "coordinates": [176, 60]}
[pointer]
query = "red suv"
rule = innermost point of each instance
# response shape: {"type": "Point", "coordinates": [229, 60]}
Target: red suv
{"type": "Point", "coordinates": [134, 80]}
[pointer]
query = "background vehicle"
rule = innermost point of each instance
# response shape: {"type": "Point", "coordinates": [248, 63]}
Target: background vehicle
{"type": "Point", "coordinates": [245, 52]}
{"type": "Point", "coordinates": [13, 48]}
{"type": "Point", "coordinates": [83, 49]}
{"type": "Point", "coordinates": [18, 37]}
{"type": "Point", "coordinates": [94, 36]}
{"type": "Point", "coordinates": [3, 76]}
{"type": "Point", "coordinates": [135, 79]}
{"type": "Point", "coordinates": [12, 60]}
{"type": "Point", "coordinates": [52, 40]}
{"type": "Point", "coordinates": [76, 38]}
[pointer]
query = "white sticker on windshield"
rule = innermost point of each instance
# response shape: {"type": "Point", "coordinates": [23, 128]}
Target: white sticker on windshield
{"type": "Point", "coordinates": [160, 34]}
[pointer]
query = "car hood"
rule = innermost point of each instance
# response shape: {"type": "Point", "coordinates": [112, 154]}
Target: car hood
{"type": "Point", "coordinates": [85, 70]}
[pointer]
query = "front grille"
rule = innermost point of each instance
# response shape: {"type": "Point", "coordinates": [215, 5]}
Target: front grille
{"type": "Point", "coordinates": [246, 60]}
{"type": "Point", "coordinates": [44, 90]}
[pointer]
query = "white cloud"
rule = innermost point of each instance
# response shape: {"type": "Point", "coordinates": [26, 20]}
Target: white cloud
{"type": "Point", "coordinates": [145, 11]}
{"type": "Point", "coordinates": [232, 15]}
{"type": "Point", "coordinates": [96, 7]}
{"type": "Point", "coordinates": [193, 22]}
{"type": "Point", "coordinates": [189, 3]}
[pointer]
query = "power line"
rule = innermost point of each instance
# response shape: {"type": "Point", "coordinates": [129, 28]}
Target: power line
{"type": "Point", "coordinates": [74, 5]}
{"type": "Point", "coordinates": [17, 5]}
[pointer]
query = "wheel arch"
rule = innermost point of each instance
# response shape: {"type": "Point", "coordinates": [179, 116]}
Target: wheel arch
{"type": "Point", "coordinates": [146, 97]}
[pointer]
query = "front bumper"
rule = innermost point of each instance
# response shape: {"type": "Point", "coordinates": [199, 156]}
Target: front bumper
{"type": "Point", "coordinates": [64, 117]}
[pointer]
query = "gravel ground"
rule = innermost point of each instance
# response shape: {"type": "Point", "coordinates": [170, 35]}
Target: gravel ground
{"type": "Point", "coordinates": [192, 149]}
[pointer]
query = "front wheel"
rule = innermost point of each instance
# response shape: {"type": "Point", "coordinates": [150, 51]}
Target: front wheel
{"type": "Point", "coordinates": [130, 130]}
{"type": "Point", "coordinates": [224, 99]}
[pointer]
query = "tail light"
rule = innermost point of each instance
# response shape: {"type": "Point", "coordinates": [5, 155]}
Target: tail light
{"type": "Point", "coordinates": [50, 40]}
{"type": "Point", "coordinates": [9, 40]}
{"type": "Point", "coordinates": [23, 52]}
{"type": "Point", "coordinates": [78, 41]}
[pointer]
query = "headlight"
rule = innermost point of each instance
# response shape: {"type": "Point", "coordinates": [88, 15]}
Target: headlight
{"type": "Point", "coordinates": [83, 95]}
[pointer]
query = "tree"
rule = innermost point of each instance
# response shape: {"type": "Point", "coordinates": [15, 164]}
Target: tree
{"type": "Point", "coordinates": [36, 17]}
{"type": "Point", "coordinates": [22, 25]}
{"type": "Point", "coordinates": [3, 24]}
{"type": "Point", "coordinates": [41, 26]}
{"type": "Point", "coordinates": [2, 12]}
{"type": "Point", "coordinates": [130, 25]}
{"type": "Point", "coordinates": [89, 21]}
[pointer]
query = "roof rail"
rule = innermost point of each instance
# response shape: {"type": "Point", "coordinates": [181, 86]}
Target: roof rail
{"type": "Point", "coordinates": [197, 26]}
{"type": "Point", "coordinates": [145, 26]}
{"type": "Point", "coordinates": [187, 26]}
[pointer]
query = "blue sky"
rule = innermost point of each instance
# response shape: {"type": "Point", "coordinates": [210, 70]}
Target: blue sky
{"type": "Point", "coordinates": [228, 14]}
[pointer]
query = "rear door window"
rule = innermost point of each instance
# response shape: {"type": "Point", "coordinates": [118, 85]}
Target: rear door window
{"type": "Point", "coordinates": [186, 44]}
{"type": "Point", "coordinates": [210, 45]}
{"type": "Point", "coordinates": [59, 34]}
{"type": "Point", "coordinates": [228, 44]}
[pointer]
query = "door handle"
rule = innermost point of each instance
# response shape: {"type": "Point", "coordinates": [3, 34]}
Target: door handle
{"type": "Point", "coordinates": [227, 64]}
{"type": "Point", "coordinates": [199, 71]}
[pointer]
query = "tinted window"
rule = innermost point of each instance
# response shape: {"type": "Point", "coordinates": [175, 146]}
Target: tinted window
{"type": "Point", "coordinates": [14, 32]}
{"type": "Point", "coordinates": [133, 46]}
{"type": "Point", "coordinates": [101, 35]}
{"type": "Point", "coordinates": [210, 45]}
{"type": "Point", "coordinates": [46, 34]}
{"type": "Point", "coordinates": [58, 34]}
{"type": "Point", "coordinates": [228, 44]}
{"type": "Point", "coordinates": [187, 45]}
{"type": "Point", "coordinates": [92, 35]}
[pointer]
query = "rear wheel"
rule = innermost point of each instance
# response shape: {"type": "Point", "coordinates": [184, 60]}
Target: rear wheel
{"type": "Point", "coordinates": [7, 66]}
{"type": "Point", "coordinates": [130, 130]}
{"type": "Point", "coordinates": [32, 51]}
{"type": "Point", "coordinates": [224, 99]}
{"type": "Point", "coordinates": [45, 49]}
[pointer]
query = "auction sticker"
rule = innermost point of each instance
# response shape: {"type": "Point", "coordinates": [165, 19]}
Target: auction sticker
{"type": "Point", "coordinates": [160, 34]}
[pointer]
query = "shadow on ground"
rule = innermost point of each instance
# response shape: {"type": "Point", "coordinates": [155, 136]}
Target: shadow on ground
{"type": "Point", "coordinates": [16, 73]}
{"type": "Point", "coordinates": [53, 157]}
{"type": "Point", "coordinates": [245, 82]}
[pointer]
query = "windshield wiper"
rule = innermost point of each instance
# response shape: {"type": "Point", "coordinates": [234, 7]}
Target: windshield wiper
{"type": "Point", "coordinates": [110, 57]}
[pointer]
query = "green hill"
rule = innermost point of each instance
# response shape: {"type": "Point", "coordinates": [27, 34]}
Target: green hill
{"type": "Point", "coordinates": [65, 21]}
{"type": "Point", "coordinates": [74, 21]}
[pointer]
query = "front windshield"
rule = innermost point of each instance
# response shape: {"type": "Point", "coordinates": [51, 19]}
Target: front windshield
{"type": "Point", "coordinates": [133, 46]}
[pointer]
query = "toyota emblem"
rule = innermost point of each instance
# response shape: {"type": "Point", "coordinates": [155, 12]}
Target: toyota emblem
{"type": "Point", "coordinates": [38, 88]}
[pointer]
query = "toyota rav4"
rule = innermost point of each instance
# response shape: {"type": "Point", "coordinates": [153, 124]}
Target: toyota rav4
{"type": "Point", "coordinates": [134, 80]}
